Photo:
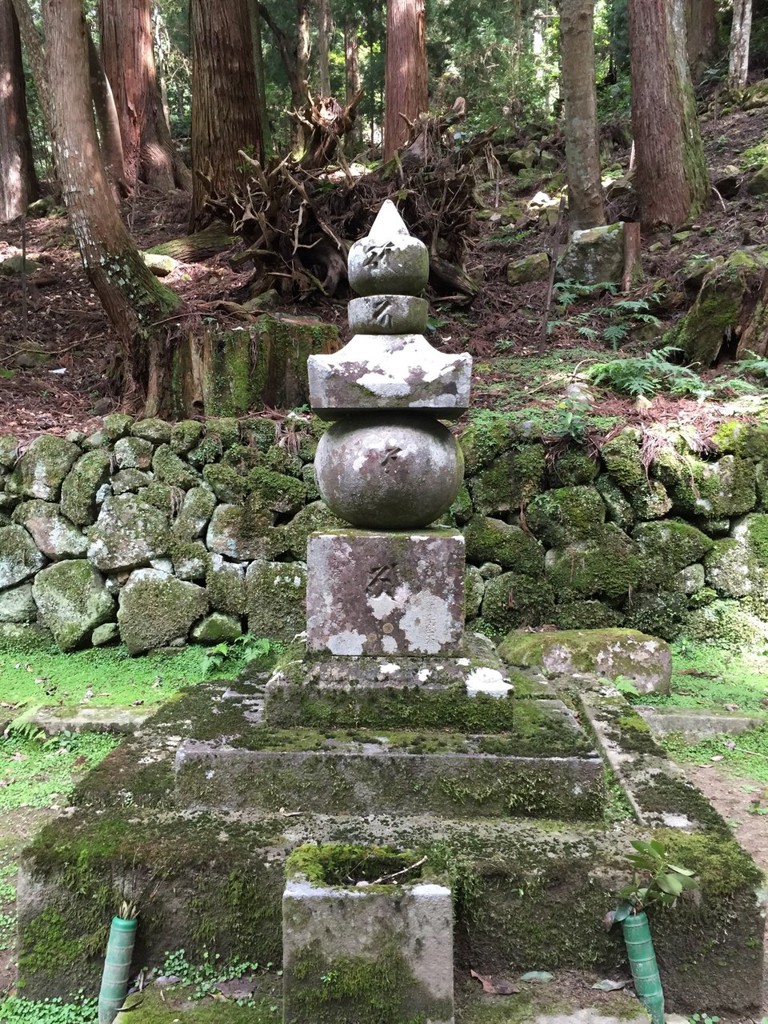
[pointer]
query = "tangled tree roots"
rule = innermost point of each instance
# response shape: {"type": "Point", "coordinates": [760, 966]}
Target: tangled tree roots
{"type": "Point", "coordinates": [300, 215]}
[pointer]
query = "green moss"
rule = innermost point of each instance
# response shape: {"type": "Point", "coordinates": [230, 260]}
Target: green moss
{"type": "Point", "coordinates": [208, 451]}
{"type": "Point", "coordinates": [492, 540]}
{"type": "Point", "coordinates": [177, 1005]}
{"type": "Point", "coordinates": [669, 546]}
{"type": "Point", "coordinates": [117, 425]}
{"type": "Point", "coordinates": [358, 990]}
{"type": "Point", "coordinates": [227, 382]}
{"type": "Point", "coordinates": [512, 600]}
{"type": "Point", "coordinates": [226, 482]}
{"type": "Point", "coordinates": [185, 435]}
{"type": "Point", "coordinates": [276, 491]}
{"type": "Point", "coordinates": [667, 794]}
{"type": "Point", "coordinates": [566, 514]}
{"type": "Point", "coordinates": [346, 864]}
{"type": "Point", "coordinates": [225, 428]}
{"type": "Point", "coordinates": [586, 615]}
{"type": "Point", "coordinates": [487, 436]}
{"type": "Point", "coordinates": [663, 613]}
{"type": "Point", "coordinates": [609, 565]}
{"type": "Point", "coordinates": [171, 470]}
{"type": "Point", "coordinates": [574, 467]}
{"type": "Point", "coordinates": [624, 462]}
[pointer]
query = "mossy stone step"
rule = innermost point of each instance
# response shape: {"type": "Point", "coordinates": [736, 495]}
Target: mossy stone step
{"type": "Point", "coordinates": [460, 776]}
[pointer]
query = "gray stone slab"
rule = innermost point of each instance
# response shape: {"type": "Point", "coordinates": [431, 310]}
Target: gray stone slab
{"type": "Point", "coordinates": [378, 593]}
{"type": "Point", "coordinates": [698, 723]}
{"type": "Point", "coordinates": [590, 1016]}
{"type": "Point", "coordinates": [389, 372]}
{"type": "Point", "coordinates": [375, 779]}
{"type": "Point", "coordinates": [409, 925]}
{"type": "Point", "coordinates": [388, 314]}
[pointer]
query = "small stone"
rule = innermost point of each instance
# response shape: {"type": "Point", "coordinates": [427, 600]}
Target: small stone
{"type": "Point", "coordinates": [155, 430]}
{"type": "Point", "coordinates": [107, 633]}
{"type": "Point", "coordinates": [217, 628]}
{"type": "Point", "coordinates": [225, 584]}
{"type": "Point", "coordinates": [161, 266]}
{"type": "Point", "coordinates": [19, 557]}
{"type": "Point", "coordinates": [191, 561]}
{"type": "Point", "coordinates": [276, 599]}
{"type": "Point", "coordinates": [42, 468]}
{"type": "Point", "coordinates": [170, 469]}
{"type": "Point", "coordinates": [116, 425]}
{"type": "Point", "coordinates": [9, 449]}
{"type": "Point", "coordinates": [157, 610]}
{"type": "Point", "coordinates": [133, 453]}
{"type": "Point", "coordinates": [51, 531]}
{"type": "Point", "coordinates": [241, 533]}
{"type": "Point", "coordinates": [488, 681]}
{"type": "Point", "coordinates": [529, 268]}
{"type": "Point", "coordinates": [17, 604]}
{"type": "Point", "coordinates": [131, 480]}
{"type": "Point", "coordinates": [538, 977]}
{"type": "Point", "coordinates": [128, 533]}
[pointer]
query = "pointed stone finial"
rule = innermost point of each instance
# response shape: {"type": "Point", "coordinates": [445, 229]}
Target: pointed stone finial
{"type": "Point", "coordinates": [389, 260]}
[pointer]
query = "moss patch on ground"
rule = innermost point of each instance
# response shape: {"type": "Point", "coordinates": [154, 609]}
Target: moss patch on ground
{"type": "Point", "coordinates": [34, 672]}
{"type": "Point", "coordinates": [39, 773]}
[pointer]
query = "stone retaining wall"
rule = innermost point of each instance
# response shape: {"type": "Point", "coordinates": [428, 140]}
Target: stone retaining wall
{"type": "Point", "coordinates": [159, 533]}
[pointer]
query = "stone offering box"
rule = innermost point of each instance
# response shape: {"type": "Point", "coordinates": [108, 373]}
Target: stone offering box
{"type": "Point", "coordinates": [362, 928]}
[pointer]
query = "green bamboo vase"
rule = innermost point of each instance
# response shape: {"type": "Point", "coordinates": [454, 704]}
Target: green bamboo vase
{"type": "Point", "coordinates": [117, 968]}
{"type": "Point", "coordinates": [642, 962]}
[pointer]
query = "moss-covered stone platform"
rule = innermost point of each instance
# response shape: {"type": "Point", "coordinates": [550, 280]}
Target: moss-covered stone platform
{"type": "Point", "coordinates": [530, 891]}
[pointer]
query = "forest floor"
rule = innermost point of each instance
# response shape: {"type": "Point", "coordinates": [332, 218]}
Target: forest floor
{"type": "Point", "coordinates": [56, 344]}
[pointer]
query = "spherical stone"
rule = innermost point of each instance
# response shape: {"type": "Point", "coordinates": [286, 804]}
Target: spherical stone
{"type": "Point", "coordinates": [389, 471]}
{"type": "Point", "coordinates": [388, 314]}
{"type": "Point", "coordinates": [389, 260]}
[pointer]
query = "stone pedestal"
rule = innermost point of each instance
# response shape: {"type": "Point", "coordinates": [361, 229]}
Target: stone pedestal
{"type": "Point", "coordinates": [353, 956]}
{"type": "Point", "coordinates": [383, 593]}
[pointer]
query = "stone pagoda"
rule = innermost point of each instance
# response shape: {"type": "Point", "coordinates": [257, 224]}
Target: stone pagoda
{"type": "Point", "coordinates": [392, 584]}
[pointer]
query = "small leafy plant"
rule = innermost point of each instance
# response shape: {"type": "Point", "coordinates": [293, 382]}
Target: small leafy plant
{"type": "Point", "coordinates": [655, 881]}
{"type": "Point", "coordinates": [646, 376]}
{"type": "Point", "coordinates": [238, 653]}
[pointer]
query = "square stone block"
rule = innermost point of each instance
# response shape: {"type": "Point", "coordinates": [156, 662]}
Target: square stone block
{"type": "Point", "coordinates": [353, 955]}
{"type": "Point", "coordinates": [379, 593]}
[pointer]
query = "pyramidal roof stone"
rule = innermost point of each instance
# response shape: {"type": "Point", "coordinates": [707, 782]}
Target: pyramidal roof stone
{"type": "Point", "coordinates": [389, 260]}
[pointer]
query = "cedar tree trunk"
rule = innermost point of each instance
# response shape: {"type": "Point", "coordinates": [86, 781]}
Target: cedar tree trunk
{"type": "Point", "coordinates": [701, 23]}
{"type": "Point", "coordinates": [225, 107]}
{"type": "Point", "coordinates": [352, 73]}
{"type": "Point", "coordinates": [18, 184]}
{"type": "Point", "coordinates": [671, 175]}
{"type": "Point", "coordinates": [582, 148]}
{"type": "Point", "coordinates": [109, 123]}
{"type": "Point", "coordinates": [33, 47]}
{"type": "Point", "coordinates": [406, 94]}
{"type": "Point", "coordinates": [137, 305]}
{"type": "Point", "coordinates": [324, 33]}
{"type": "Point", "coordinates": [129, 62]}
{"type": "Point", "coordinates": [258, 68]}
{"type": "Point", "coordinates": [738, 63]}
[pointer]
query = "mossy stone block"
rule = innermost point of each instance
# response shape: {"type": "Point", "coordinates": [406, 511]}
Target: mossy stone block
{"type": "Point", "coordinates": [217, 628]}
{"type": "Point", "coordinates": [609, 564]}
{"type": "Point", "coordinates": [276, 491]}
{"type": "Point", "coordinates": [662, 613]}
{"type": "Point", "coordinates": [155, 430]}
{"type": "Point", "coordinates": [292, 538]}
{"type": "Point", "coordinates": [225, 584]}
{"type": "Point", "coordinates": [72, 601]}
{"type": "Point", "coordinates": [157, 610]}
{"type": "Point", "coordinates": [279, 376]}
{"type": "Point", "coordinates": [207, 452]}
{"type": "Point", "coordinates": [240, 532]}
{"type": "Point", "coordinates": [620, 511]}
{"type": "Point", "coordinates": [670, 546]}
{"type": "Point", "coordinates": [493, 540]}
{"type": "Point", "coordinates": [9, 448]}
{"type": "Point", "coordinates": [474, 589]}
{"type": "Point", "coordinates": [513, 600]}
{"type": "Point", "coordinates": [566, 514]}
{"type": "Point", "coordinates": [186, 435]}
{"type": "Point", "coordinates": [624, 462]}
{"type": "Point", "coordinates": [276, 599]}
{"type": "Point", "coordinates": [17, 604]}
{"type": "Point", "coordinates": [225, 428]}
{"type": "Point", "coordinates": [133, 453]}
{"type": "Point", "coordinates": [116, 425]}
{"type": "Point", "coordinates": [488, 435]}
{"type": "Point", "coordinates": [51, 531]}
{"type": "Point", "coordinates": [574, 467]}
{"type": "Point", "coordinates": [586, 615]}
{"type": "Point", "coordinates": [610, 653]}
{"type": "Point", "coordinates": [19, 557]}
{"type": "Point", "coordinates": [172, 470]}
{"type": "Point", "coordinates": [226, 482]}
{"type": "Point", "coordinates": [42, 468]}
{"type": "Point", "coordinates": [710, 490]}
{"type": "Point", "coordinates": [130, 481]}
{"type": "Point", "coordinates": [128, 533]}
{"type": "Point", "coordinates": [195, 514]}
{"type": "Point", "coordinates": [529, 268]}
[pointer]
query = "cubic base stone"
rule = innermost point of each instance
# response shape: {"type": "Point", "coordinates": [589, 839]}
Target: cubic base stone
{"type": "Point", "coordinates": [401, 939]}
{"type": "Point", "coordinates": [379, 593]}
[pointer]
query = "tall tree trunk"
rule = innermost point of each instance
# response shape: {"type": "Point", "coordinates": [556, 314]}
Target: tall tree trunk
{"type": "Point", "coordinates": [35, 51]}
{"type": "Point", "coordinates": [129, 61]}
{"type": "Point", "coordinates": [738, 63]}
{"type": "Point", "coordinates": [294, 56]}
{"type": "Point", "coordinates": [133, 299]}
{"type": "Point", "coordinates": [225, 107]}
{"type": "Point", "coordinates": [406, 85]}
{"type": "Point", "coordinates": [701, 24]}
{"type": "Point", "coordinates": [109, 123]}
{"type": "Point", "coordinates": [324, 33]}
{"type": "Point", "coordinates": [582, 149]}
{"type": "Point", "coordinates": [352, 75]}
{"type": "Point", "coordinates": [258, 68]}
{"type": "Point", "coordinates": [671, 174]}
{"type": "Point", "coordinates": [18, 183]}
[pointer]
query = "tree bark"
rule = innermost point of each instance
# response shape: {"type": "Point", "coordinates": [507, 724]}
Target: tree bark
{"type": "Point", "coordinates": [701, 23]}
{"type": "Point", "coordinates": [225, 106]}
{"type": "Point", "coordinates": [324, 34]}
{"type": "Point", "coordinates": [671, 175]}
{"type": "Point", "coordinates": [35, 51]}
{"type": "Point", "coordinates": [129, 62]}
{"type": "Point", "coordinates": [18, 183]}
{"type": "Point", "coordinates": [258, 68]}
{"type": "Point", "coordinates": [352, 75]}
{"type": "Point", "coordinates": [582, 149]}
{"type": "Point", "coordinates": [738, 63]}
{"type": "Point", "coordinates": [109, 123]}
{"type": "Point", "coordinates": [406, 85]}
{"type": "Point", "coordinates": [137, 305]}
